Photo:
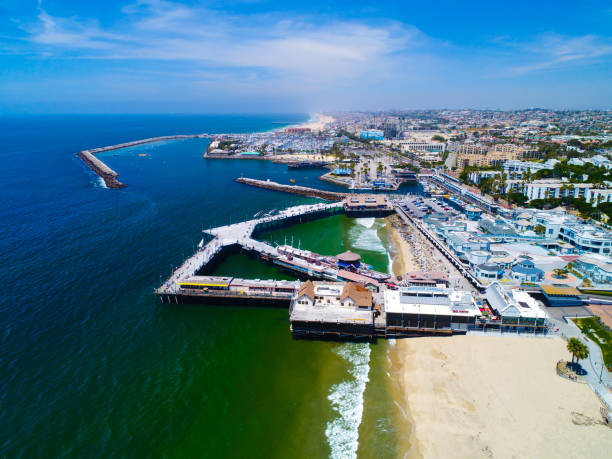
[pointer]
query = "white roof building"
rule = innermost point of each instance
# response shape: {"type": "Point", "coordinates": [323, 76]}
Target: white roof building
{"type": "Point", "coordinates": [513, 303]}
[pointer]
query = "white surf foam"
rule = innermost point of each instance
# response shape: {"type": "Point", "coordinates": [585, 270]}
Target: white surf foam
{"type": "Point", "coordinates": [366, 238]}
{"type": "Point", "coordinates": [367, 222]}
{"type": "Point", "coordinates": [346, 398]}
{"type": "Point", "coordinates": [100, 183]}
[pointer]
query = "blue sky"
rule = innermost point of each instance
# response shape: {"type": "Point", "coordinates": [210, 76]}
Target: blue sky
{"type": "Point", "coordinates": [141, 56]}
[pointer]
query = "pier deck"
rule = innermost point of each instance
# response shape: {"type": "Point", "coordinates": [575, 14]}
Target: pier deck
{"type": "Point", "coordinates": [240, 234]}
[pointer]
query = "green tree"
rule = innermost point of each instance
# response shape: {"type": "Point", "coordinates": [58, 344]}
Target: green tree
{"type": "Point", "coordinates": [540, 229]}
{"type": "Point", "coordinates": [574, 346]}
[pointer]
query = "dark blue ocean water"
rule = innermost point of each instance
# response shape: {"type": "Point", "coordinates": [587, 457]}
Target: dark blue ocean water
{"type": "Point", "coordinates": [90, 364]}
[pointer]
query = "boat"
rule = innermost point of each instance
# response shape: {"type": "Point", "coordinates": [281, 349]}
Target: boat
{"type": "Point", "coordinates": [292, 180]}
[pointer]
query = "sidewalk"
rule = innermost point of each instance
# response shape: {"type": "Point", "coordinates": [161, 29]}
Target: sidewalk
{"type": "Point", "coordinates": [594, 365]}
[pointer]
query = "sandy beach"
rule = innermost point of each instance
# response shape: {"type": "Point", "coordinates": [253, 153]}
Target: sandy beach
{"type": "Point", "coordinates": [481, 396]}
{"type": "Point", "coordinates": [318, 124]}
{"type": "Point", "coordinates": [403, 255]}
{"type": "Point", "coordinates": [413, 252]}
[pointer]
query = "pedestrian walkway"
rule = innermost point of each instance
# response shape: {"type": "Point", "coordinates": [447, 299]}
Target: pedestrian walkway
{"type": "Point", "coordinates": [597, 376]}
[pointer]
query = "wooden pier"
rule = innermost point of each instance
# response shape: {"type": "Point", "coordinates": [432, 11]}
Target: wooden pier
{"type": "Point", "coordinates": [242, 235]}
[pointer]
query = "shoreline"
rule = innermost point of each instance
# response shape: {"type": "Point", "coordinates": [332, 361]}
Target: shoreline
{"type": "Point", "coordinates": [316, 123]}
{"type": "Point", "coordinates": [406, 443]}
{"type": "Point", "coordinates": [467, 390]}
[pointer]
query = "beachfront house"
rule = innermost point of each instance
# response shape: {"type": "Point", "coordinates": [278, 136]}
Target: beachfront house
{"type": "Point", "coordinates": [516, 309]}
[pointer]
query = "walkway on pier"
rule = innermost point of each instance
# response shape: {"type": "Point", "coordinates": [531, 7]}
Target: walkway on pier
{"type": "Point", "coordinates": [237, 234]}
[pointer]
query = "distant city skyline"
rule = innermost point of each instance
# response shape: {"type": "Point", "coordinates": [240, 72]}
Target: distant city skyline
{"type": "Point", "coordinates": [247, 56]}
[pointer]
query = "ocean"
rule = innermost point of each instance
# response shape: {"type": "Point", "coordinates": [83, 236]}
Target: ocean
{"type": "Point", "coordinates": [92, 365]}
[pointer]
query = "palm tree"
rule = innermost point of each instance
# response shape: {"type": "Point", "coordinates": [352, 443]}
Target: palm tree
{"type": "Point", "coordinates": [573, 347]}
{"type": "Point", "coordinates": [583, 352]}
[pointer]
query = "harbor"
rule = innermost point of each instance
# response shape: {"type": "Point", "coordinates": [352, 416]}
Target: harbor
{"type": "Point", "coordinates": [338, 296]}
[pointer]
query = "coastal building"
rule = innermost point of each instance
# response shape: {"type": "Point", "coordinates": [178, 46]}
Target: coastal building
{"type": "Point", "coordinates": [525, 271]}
{"type": "Point", "coordinates": [596, 196]}
{"type": "Point", "coordinates": [515, 308]}
{"type": "Point", "coordinates": [348, 259]}
{"type": "Point", "coordinates": [513, 150]}
{"type": "Point", "coordinates": [367, 205]}
{"type": "Point", "coordinates": [561, 295]}
{"type": "Point", "coordinates": [489, 271]}
{"type": "Point", "coordinates": [332, 308]}
{"type": "Point", "coordinates": [373, 134]}
{"type": "Point", "coordinates": [515, 169]}
{"type": "Point", "coordinates": [429, 279]}
{"type": "Point", "coordinates": [419, 146]}
{"type": "Point", "coordinates": [429, 309]}
{"type": "Point", "coordinates": [595, 267]}
{"type": "Point", "coordinates": [496, 155]}
{"type": "Point", "coordinates": [555, 188]}
{"type": "Point", "coordinates": [586, 237]}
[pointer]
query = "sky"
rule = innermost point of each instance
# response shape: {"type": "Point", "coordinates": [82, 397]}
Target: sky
{"type": "Point", "coordinates": [251, 56]}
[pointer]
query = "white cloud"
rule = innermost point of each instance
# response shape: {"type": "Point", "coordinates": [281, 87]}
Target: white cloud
{"type": "Point", "coordinates": [161, 30]}
{"type": "Point", "coordinates": [553, 51]}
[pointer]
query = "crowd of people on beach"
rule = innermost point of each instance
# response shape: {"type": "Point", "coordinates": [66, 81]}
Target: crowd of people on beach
{"type": "Point", "coordinates": [426, 257]}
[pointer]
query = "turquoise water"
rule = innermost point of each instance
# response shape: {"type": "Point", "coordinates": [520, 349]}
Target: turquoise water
{"type": "Point", "coordinates": [90, 364]}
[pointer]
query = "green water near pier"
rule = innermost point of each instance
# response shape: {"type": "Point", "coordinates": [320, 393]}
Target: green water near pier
{"type": "Point", "coordinates": [343, 385]}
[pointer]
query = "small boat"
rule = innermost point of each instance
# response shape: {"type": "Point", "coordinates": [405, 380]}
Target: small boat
{"type": "Point", "coordinates": [292, 181]}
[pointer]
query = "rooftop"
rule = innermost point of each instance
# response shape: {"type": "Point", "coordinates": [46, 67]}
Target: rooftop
{"type": "Point", "coordinates": [438, 301]}
{"type": "Point", "coordinates": [559, 290]}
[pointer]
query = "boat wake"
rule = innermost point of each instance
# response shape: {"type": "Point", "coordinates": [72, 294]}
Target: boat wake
{"type": "Point", "coordinates": [346, 398]}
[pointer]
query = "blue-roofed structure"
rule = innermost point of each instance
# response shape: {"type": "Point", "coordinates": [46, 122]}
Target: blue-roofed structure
{"type": "Point", "coordinates": [525, 271]}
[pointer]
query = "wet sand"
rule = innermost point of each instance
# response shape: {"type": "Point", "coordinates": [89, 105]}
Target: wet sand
{"type": "Point", "coordinates": [481, 396]}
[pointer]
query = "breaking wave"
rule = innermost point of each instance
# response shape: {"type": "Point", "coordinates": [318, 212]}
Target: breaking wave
{"type": "Point", "coordinates": [364, 236]}
{"type": "Point", "coordinates": [346, 398]}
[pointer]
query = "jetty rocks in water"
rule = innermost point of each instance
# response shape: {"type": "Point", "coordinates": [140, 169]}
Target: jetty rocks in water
{"type": "Point", "coordinates": [110, 176]}
{"type": "Point", "coordinates": [106, 173]}
{"type": "Point", "coordinates": [293, 189]}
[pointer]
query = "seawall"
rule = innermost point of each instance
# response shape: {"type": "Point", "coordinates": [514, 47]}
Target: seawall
{"type": "Point", "coordinates": [110, 176]}
{"type": "Point", "coordinates": [106, 173]}
{"type": "Point", "coordinates": [293, 189]}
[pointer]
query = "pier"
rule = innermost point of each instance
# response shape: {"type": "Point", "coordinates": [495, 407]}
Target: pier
{"type": "Point", "coordinates": [345, 301]}
{"type": "Point", "coordinates": [242, 235]}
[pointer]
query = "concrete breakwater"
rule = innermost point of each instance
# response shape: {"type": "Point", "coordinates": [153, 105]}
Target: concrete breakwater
{"type": "Point", "coordinates": [106, 173]}
{"type": "Point", "coordinates": [110, 176]}
{"type": "Point", "coordinates": [293, 189]}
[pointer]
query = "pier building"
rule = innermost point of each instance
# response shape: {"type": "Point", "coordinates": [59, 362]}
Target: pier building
{"type": "Point", "coordinates": [432, 310]}
{"type": "Point", "coordinates": [332, 309]}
